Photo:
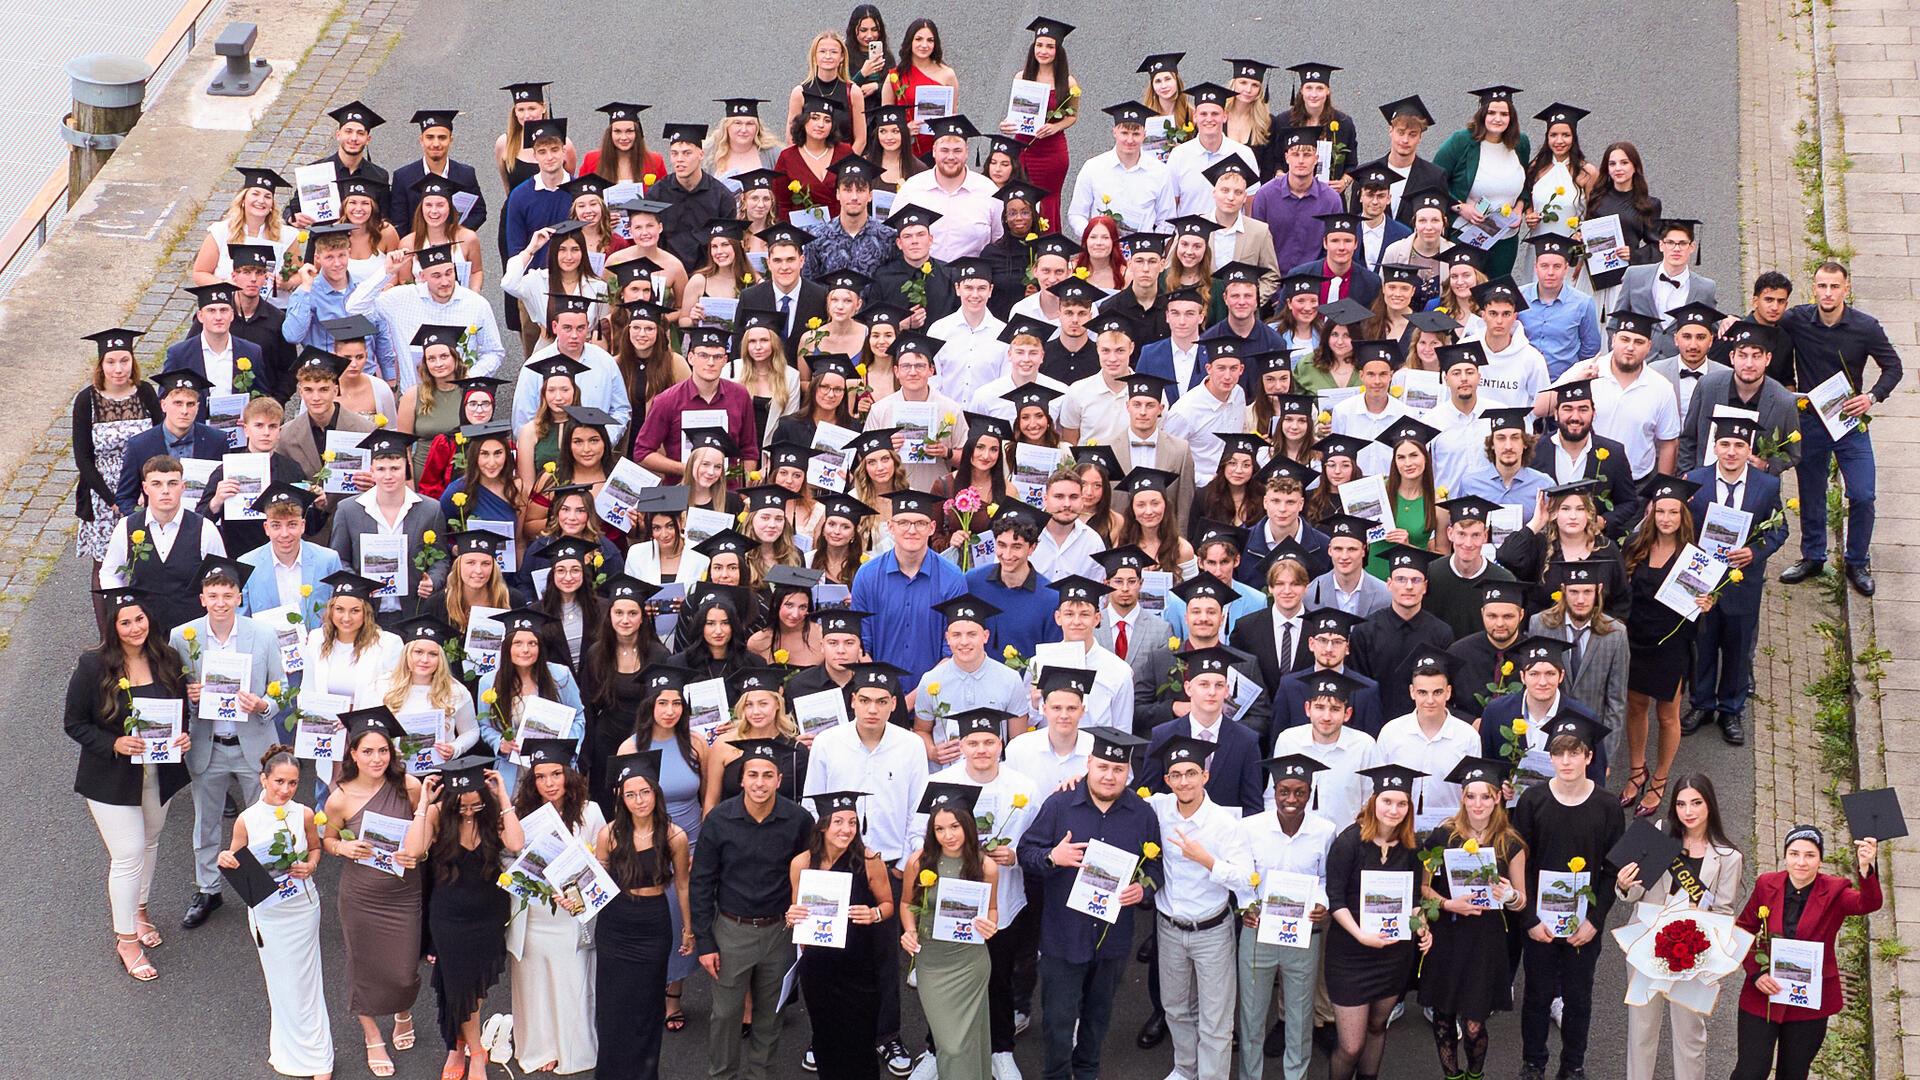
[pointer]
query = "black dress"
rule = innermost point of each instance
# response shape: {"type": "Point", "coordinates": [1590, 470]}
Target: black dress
{"type": "Point", "coordinates": [1358, 974]}
{"type": "Point", "coordinates": [633, 935]}
{"type": "Point", "coordinates": [842, 993]}
{"type": "Point", "coordinates": [1655, 668]}
{"type": "Point", "coordinates": [467, 916]}
{"type": "Point", "coordinates": [1524, 554]}
{"type": "Point", "coordinates": [793, 771]}
{"type": "Point", "coordinates": [1465, 973]}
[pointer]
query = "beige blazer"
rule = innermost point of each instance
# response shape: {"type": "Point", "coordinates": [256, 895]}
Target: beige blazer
{"type": "Point", "coordinates": [1172, 454]}
{"type": "Point", "coordinates": [1254, 246]}
{"type": "Point", "coordinates": [1720, 870]}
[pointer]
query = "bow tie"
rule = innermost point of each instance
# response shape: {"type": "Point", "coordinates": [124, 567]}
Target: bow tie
{"type": "Point", "coordinates": [1669, 280]}
{"type": "Point", "coordinates": [1687, 374]}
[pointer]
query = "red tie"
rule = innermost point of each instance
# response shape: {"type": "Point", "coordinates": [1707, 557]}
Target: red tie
{"type": "Point", "coordinates": [1120, 640]}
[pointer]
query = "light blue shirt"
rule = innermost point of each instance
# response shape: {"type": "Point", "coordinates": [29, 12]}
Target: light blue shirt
{"type": "Point", "coordinates": [1522, 491]}
{"type": "Point", "coordinates": [994, 686]}
{"type": "Point", "coordinates": [568, 694]}
{"type": "Point", "coordinates": [1566, 329]}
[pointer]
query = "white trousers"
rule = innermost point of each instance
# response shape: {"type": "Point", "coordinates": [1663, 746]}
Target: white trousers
{"type": "Point", "coordinates": [132, 836]}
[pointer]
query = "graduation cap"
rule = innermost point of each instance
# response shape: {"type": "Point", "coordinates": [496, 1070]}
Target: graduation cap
{"type": "Point", "coordinates": [350, 328]}
{"type": "Point", "coordinates": [1146, 478]}
{"type": "Point", "coordinates": [624, 767]}
{"type": "Point", "coordinates": [552, 127]}
{"type": "Point", "coordinates": [1386, 352]}
{"type": "Point", "coordinates": [1076, 680]}
{"type": "Point", "coordinates": [664, 499]}
{"type": "Point", "coordinates": [1407, 106]}
{"type": "Point", "coordinates": [1690, 226]}
{"type": "Point", "coordinates": [1661, 486]}
{"type": "Point", "coordinates": [1744, 428]}
{"type": "Point", "coordinates": [1075, 290]}
{"type": "Point", "coordinates": [1392, 777]}
{"type": "Point", "coordinates": [1514, 419]}
{"type": "Point", "coordinates": [877, 675]}
{"type": "Point", "coordinates": [429, 334]}
{"type": "Point", "coordinates": [182, 379]}
{"type": "Point", "coordinates": [265, 179]}
{"type": "Point", "coordinates": [376, 718]}
{"type": "Point", "coordinates": [1300, 285]}
{"type": "Point", "coordinates": [1212, 660]}
{"type": "Point", "coordinates": [117, 339]}
{"type": "Point", "coordinates": [1334, 684]}
{"type": "Point", "coordinates": [1345, 311]}
{"type": "Point", "coordinates": [837, 620]}
{"type": "Point", "coordinates": [966, 608]}
{"type": "Point", "coordinates": [1403, 274]}
{"type": "Point", "coordinates": [1403, 557]}
{"type": "Point", "coordinates": [1633, 322]}
{"type": "Point", "coordinates": [1574, 572]}
{"type": "Point", "coordinates": [221, 568]}
{"type": "Point", "coordinates": [657, 677]}
{"type": "Point", "coordinates": [1490, 94]}
{"type": "Point", "coordinates": [1296, 404]}
{"type": "Point", "coordinates": [250, 256]}
{"type": "Point", "coordinates": [1128, 112]}
{"type": "Point", "coordinates": [785, 455]}
{"type": "Point", "coordinates": [1074, 588]}
{"type": "Point", "coordinates": [707, 337]}
{"type": "Point", "coordinates": [1185, 750]}
{"type": "Point", "coordinates": [1695, 314]}
{"type": "Point", "coordinates": [1460, 254]}
{"type": "Point", "coordinates": [1282, 465]}
{"type": "Point", "coordinates": [527, 91]}
{"type": "Point", "coordinates": [1645, 843]}
{"type": "Point", "coordinates": [1407, 429]}
{"type": "Point", "coordinates": [1159, 62]}
{"type": "Point", "coordinates": [1101, 457]}
{"type": "Point", "coordinates": [1427, 660]}
{"type": "Point", "coordinates": [1749, 334]}
{"type": "Point", "coordinates": [871, 442]}
{"type": "Point", "coordinates": [1130, 557]}
{"type": "Point", "coordinates": [1347, 446]}
{"type": "Point", "coordinates": [979, 424]}
{"type": "Point", "coordinates": [433, 118]}
{"type": "Point", "coordinates": [1143, 384]}
{"type": "Point", "coordinates": [1330, 620]}
{"type": "Point", "coordinates": [622, 110]}
{"type": "Point", "coordinates": [385, 442]}
{"type": "Point", "coordinates": [814, 103]}
{"type": "Point", "coordinates": [1241, 442]}
{"type": "Point", "coordinates": [120, 596]}
{"type": "Point", "coordinates": [724, 542]}
{"type": "Point", "coordinates": [1293, 767]}
{"type": "Point", "coordinates": [1210, 531]}
{"type": "Point", "coordinates": [1144, 243]}
{"type": "Point", "coordinates": [1053, 28]}
{"type": "Point", "coordinates": [1376, 177]}
{"type": "Point", "coordinates": [348, 583]}
{"type": "Point", "coordinates": [905, 217]}
{"type": "Point", "coordinates": [549, 752]}
{"type": "Point", "coordinates": [1499, 290]}
{"type": "Point", "coordinates": [1465, 352]}
{"type": "Point", "coordinates": [854, 169]}
{"type": "Point", "coordinates": [1113, 322]}
{"type": "Point", "coordinates": [955, 126]}
{"type": "Point", "coordinates": [1538, 649]}
{"type": "Point", "coordinates": [251, 882]}
{"type": "Point", "coordinates": [741, 106]}
{"type": "Point", "coordinates": [1249, 69]}
{"type": "Point", "coordinates": [1589, 732]}
{"type": "Point", "coordinates": [763, 679]}
{"type": "Point", "coordinates": [571, 549]}
{"type": "Point", "coordinates": [1205, 586]}
{"type": "Point", "coordinates": [1502, 592]}
{"type": "Point", "coordinates": [1187, 294]}
{"type": "Point", "coordinates": [1056, 244]}
{"type": "Point", "coordinates": [558, 365]}
{"type": "Point", "coordinates": [356, 112]}
{"type": "Point", "coordinates": [1552, 244]}
{"type": "Point", "coordinates": [1290, 137]}
{"type": "Point", "coordinates": [1874, 815]}
{"type": "Point", "coordinates": [790, 579]}
{"type": "Point", "coordinates": [1111, 743]}
{"type": "Point", "coordinates": [567, 304]}
{"type": "Point", "coordinates": [1231, 165]}
{"type": "Point", "coordinates": [828, 803]}
{"type": "Point", "coordinates": [628, 587]}
{"type": "Point", "coordinates": [219, 292]}
{"type": "Point", "coordinates": [363, 186]}
{"type": "Point", "coordinates": [1586, 485]}
{"type": "Point", "coordinates": [1574, 390]}
{"type": "Point", "coordinates": [918, 343]}
{"type": "Point", "coordinates": [909, 501]}
{"type": "Point", "coordinates": [1025, 324]}
{"type": "Point", "coordinates": [1480, 770]}
{"type": "Point", "coordinates": [767, 750]}
{"type": "Point", "coordinates": [465, 773]}
{"type": "Point", "coordinates": [758, 180]}
{"type": "Point", "coordinates": [970, 268]}
{"type": "Point", "coordinates": [1314, 72]}
{"type": "Point", "coordinates": [1210, 93]}
{"type": "Point", "coordinates": [587, 184]}
{"type": "Point", "coordinates": [282, 492]}
{"type": "Point", "coordinates": [529, 619]}
{"type": "Point", "coordinates": [427, 628]}
{"type": "Point", "coordinates": [1560, 113]}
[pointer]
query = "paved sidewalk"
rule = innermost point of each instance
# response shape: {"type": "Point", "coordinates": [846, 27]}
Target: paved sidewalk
{"type": "Point", "coordinates": [36, 502]}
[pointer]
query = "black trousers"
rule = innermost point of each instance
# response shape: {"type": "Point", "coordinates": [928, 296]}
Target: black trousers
{"type": "Point", "coordinates": [1557, 969]}
{"type": "Point", "coordinates": [1016, 943]}
{"type": "Point", "coordinates": [1793, 1043]}
{"type": "Point", "coordinates": [887, 1022]}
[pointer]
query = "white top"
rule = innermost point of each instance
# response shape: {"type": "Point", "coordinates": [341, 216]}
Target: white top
{"type": "Point", "coordinates": [160, 534]}
{"type": "Point", "coordinates": [1110, 704]}
{"type": "Point", "coordinates": [531, 287]}
{"type": "Point", "coordinates": [643, 562]}
{"type": "Point", "coordinates": [1008, 823]}
{"type": "Point", "coordinates": [1141, 198]}
{"type": "Point", "coordinates": [1514, 376]}
{"type": "Point", "coordinates": [1193, 893]}
{"type": "Point", "coordinates": [969, 215]}
{"type": "Point", "coordinates": [1274, 852]}
{"type": "Point", "coordinates": [1501, 174]}
{"type": "Point", "coordinates": [1093, 410]}
{"type": "Point", "coordinates": [972, 357]}
{"type": "Point", "coordinates": [893, 774]}
{"type": "Point", "coordinates": [1201, 418]}
{"type": "Point", "coordinates": [1572, 202]}
{"type": "Point", "coordinates": [735, 371]}
{"type": "Point", "coordinates": [1188, 162]}
{"type": "Point", "coordinates": [466, 730]}
{"type": "Point", "coordinates": [1339, 791]}
{"type": "Point", "coordinates": [330, 670]}
{"type": "Point", "coordinates": [990, 399]}
{"type": "Point", "coordinates": [1461, 445]}
{"type": "Point", "coordinates": [1639, 415]}
{"type": "Point", "coordinates": [1351, 417]}
{"type": "Point", "coordinates": [1057, 559]}
{"type": "Point", "coordinates": [1033, 756]}
{"type": "Point", "coordinates": [1402, 742]}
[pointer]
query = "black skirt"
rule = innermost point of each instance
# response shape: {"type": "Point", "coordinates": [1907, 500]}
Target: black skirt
{"type": "Point", "coordinates": [468, 919]}
{"type": "Point", "coordinates": [1657, 665]}
{"type": "Point", "coordinates": [630, 985]}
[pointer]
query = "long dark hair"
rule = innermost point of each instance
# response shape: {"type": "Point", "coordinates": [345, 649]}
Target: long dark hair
{"type": "Point", "coordinates": [682, 734]}
{"type": "Point", "coordinates": [817, 846]}
{"type": "Point", "coordinates": [509, 476]}
{"type": "Point", "coordinates": [1716, 833]}
{"type": "Point", "coordinates": [1215, 501]}
{"type": "Point", "coordinates": [971, 861]}
{"type": "Point", "coordinates": [602, 665]}
{"type": "Point", "coordinates": [506, 681]}
{"type": "Point", "coordinates": [446, 849]}
{"type": "Point", "coordinates": [573, 800]}
{"type": "Point", "coordinates": [593, 614]}
{"type": "Point", "coordinates": [649, 375]}
{"type": "Point", "coordinates": [623, 862]}
{"type": "Point", "coordinates": [1637, 190]}
{"type": "Point", "coordinates": [861, 13]}
{"type": "Point", "coordinates": [396, 775]}
{"type": "Point", "coordinates": [938, 55]}
{"type": "Point", "coordinates": [1062, 81]}
{"type": "Point", "coordinates": [161, 660]}
{"type": "Point", "coordinates": [1543, 160]}
{"type": "Point", "coordinates": [996, 478]}
{"type": "Point", "coordinates": [607, 167]}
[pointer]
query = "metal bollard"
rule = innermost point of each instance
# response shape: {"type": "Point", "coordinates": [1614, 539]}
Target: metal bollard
{"type": "Point", "coordinates": [242, 76]}
{"type": "Point", "coordinates": [108, 93]}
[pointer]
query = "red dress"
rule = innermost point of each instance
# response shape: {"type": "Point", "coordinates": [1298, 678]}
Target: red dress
{"type": "Point", "coordinates": [655, 164]}
{"type": "Point", "coordinates": [911, 80]}
{"type": "Point", "coordinates": [792, 166]}
{"type": "Point", "coordinates": [1046, 163]}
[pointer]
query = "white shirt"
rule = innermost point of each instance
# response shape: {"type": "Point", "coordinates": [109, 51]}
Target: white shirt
{"type": "Point", "coordinates": [1351, 417]}
{"type": "Point", "coordinates": [1201, 418]}
{"type": "Point", "coordinates": [1568, 468]}
{"type": "Point", "coordinates": [1093, 410]}
{"type": "Point", "coordinates": [991, 399]}
{"type": "Point", "coordinates": [1226, 239]}
{"type": "Point", "coordinates": [601, 387]}
{"type": "Point", "coordinates": [893, 774]}
{"type": "Point", "coordinates": [1075, 555]}
{"type": "Point", "coordinates": [1461, 445]}
{"type": "Point", "coordinates": [972, 357]}
{"type": "Point", "coordinates": [1639, 416]}
{"type": "Point", "coordinates": [1188, 162]}
{"type": "Point", "coordinates": [1141, 198]}
{"type": "Point", "coordinates": [113, 564]}
{"type": "Point", "coordinates": [1515, 375]}
{"type": "Point", "coordinates": [1010, 823]}
{"type": "Point", "coordinates": [1191, 892]}
{"type": "Point", "coordinates": [1736, 488]}
{"type": "Point", "coordinates": [219, 364]}
{"type": "Point", "coordinates": [1281, 623]}
{"type": "Point", "coordinates": [1032, 755]}
{"type": "Point", "coordinates": [1183, 361]}
{"type": "Point", "coordinates": [1371, 238]}
{"type": "Point", "coordinates": [1338, 790]}
{"type": "Point", "coordinates": [969, 214]}
{"type": "Point", "coordinates": [1274, 852]}
{"type": "Point", "coordinates": [286, 578]}
{"type": "Point", "coordinates": [1684, 388]}
{"type": "Point", "coordinates": [1110, 704]}
{"type": "Point", "coordinates": [1666, 296]}
{"type": "Point", "coordinates": [1030, 307]}
{"type": "Point", "coordinates": [1402, 742]}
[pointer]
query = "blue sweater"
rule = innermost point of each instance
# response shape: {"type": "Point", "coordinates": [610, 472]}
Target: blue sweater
{"type": "Point", "coordinates": [530, 209]}
{"type": "Point", "coordinates": [1026, 613]}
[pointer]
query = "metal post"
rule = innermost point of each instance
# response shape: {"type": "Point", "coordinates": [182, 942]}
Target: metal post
{"type": "Point", "coordinates": [108, 92]}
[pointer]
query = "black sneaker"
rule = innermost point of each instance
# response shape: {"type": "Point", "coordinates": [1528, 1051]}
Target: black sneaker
{"type": "Point", "coordinates": [1533, 1072]}
{"type": "Point", "coordinates": [1574, 1073]}
{"type": "Point", "coordinates": [894, 1055]}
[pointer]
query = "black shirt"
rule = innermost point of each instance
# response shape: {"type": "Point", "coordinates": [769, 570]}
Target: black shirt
{"type": "Point", "coordinates": [1820, 350]}
{"type": "Point", "coordinates": [740, 865]}
{"type": "Point", "coordinates": [1555, 834]}
{"type": "Point", "coordinates": [684, 222]}
{"type": "Point", "coordinates": [1793, 906]}
{"type": "Point", "coordinates": [1070, 365]}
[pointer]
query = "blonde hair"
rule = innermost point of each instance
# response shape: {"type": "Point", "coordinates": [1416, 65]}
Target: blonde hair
{"type": "Point", "coordinates": [716, 145]}
{"type": "Point", "coordinates": [1260, 126]}
{"type": "Point", "coordinates": [368, 635]}
{"type": "Point", "coordinates": [771, 375]}
{"type": "Point", "coordinates": [717, 493]}
{"type": "Point", "coordinates": [440, 687]}
{"type": "Point", "coordinates": [236, 220]}
{"type": "Point", "coordinates": [423, 384]}
{"type": "Point", "coordinates": [813, 55]}
{"type": "Point", "coordinates": [784, 726]}
{"type": "Point", "coordinates": [496, 586]}
{"type": "Point", "coordinates": [263, 408]}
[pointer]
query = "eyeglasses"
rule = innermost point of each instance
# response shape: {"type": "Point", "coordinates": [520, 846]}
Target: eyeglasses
{"type": "Point", "coordinates": [1675, 243]}
{"type": "Point", "coordinates": [916, 524]}
{"type": "Point", "coordinates": [911, 365]}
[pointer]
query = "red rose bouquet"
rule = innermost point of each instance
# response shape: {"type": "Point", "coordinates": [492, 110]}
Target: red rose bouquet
{"type": "Point", "coordinates": [1679, 945]}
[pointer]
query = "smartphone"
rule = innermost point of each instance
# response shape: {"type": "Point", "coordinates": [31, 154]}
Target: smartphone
{"type": "Point", "coordinates": [875, 49]}
{"type": "Point", "coordinates": [574, 897]}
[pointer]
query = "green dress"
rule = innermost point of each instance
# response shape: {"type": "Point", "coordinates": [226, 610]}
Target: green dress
{"type": "Point", "coordinates": [547, 449]}
{"type": "Point", "coordinates": [1307, 377]}
{"type": "Point", "coordinates": [953, 994]}
{"type": "Point", "coordinates": [1408, 514]}
{"type": "Point", "coordinates": [440, 419]}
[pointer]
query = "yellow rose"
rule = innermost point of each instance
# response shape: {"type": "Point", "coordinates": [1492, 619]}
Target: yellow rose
{"type": "Point", "coordinates": [1556, 596]}
{"type": "Point", "coordinates": [1073, 92]}
{"type": "Point", "coordinates": [1253, 879]}
{"type": "Point", "coordinates": [505, 879]}
{"type": "Point", "coordinates": [1082, 273]}
{"type": "Point", "coordinates": [1150, 849]}
{"type": "Point", "coordinates": [1576, 864]}
{"type": "Point", "coordinates": [126, 683]}
{"type": "Point", "coordinates": [992, 509]}
{"type": "Point", "coordinates": [649, 178]}
{"type": "Point", "coordinates": [319, 818]}
{"type": "Point", "coordinates": [548, 468]}
{"type": "Point", "coordinates": [189, 633]}
{"type": "Point", "coordinates": [1506, 668]}
{"type": "Point", "coordinates": [1106, 200]}
{"type": "Point", "coordinates": [1793, 505]}
{"type": "Point", "coordinates": [860, 370]}
{"type": "Point", "coordinates": [1019, 801]}
{"type": "Point", "coordinates": [243, 364]}
{"type": "Point", "coordinates": [473, 329]}
{"type": "Point", "coordinates": [428, 537]}
{"type": "Point", "coordinates": [1573, 223]}
{"type": "Point", "coordinates": [1333, 125]}
{"type": "Point", "coordinates": [933, 688]}
{"type": "Point", "coordinates": [306, 591]}
{"type": "Point", "coordinates": [301, 236]}
{"type": "Point", "coordinates": [893, 77]}
{"type": "Point", "coordinates": [780, 656]}
{"type": "Point", "coordinates": [1471, 847]}
{"type": "Point", "coordinates": [1560, 190]}
{"type": "Point", "coordinates": [741, 517]}
{"type": "Point", "coordinates": [1506, 209]}
{"type": "Point", "coordinates": [1143, 792]}
{"type": "Point", "coordinates": [948, 419]}
{"type": "Point", "coordinates": [927, 267]}
{"type": "Point", "coordinates": [273, 688]}
{"type": "Point", "coordinates": [1397, 391]}
{"type": "Point", "coordinates": [1801, 404]}
{"type": "Point", "coordinates": [459, 498]}
{"type": "Point", "coordinates": [927, 878]}
{"type": "Point", "coordinates": [1736, 576]}
{"type": "Point", "coordinates": [459, 439]}
{"type": "Point", "coordinates": [1045, 225]}
{"type": "Point", "coordinates": [1440, 492]}
{"type": "Point", "coordinates": [598, 559]}
{"type": "Point", "coordinates": [489, 696]}
{"type": "Point", "coordinates": [280, 813]}
{"type": "Point", "coordinates": [1601, 454]}
{"type": "Point", "coordinates": [866, 557]}
{"type": "Point", "coordinates": [1325, 417]}
{"type": "Point", "coordinates": [1031, 237]}
{"type": "Point", "coordinates": [379, 419]}
{"type": "Point", "coordinates": [1173, 643]}
{"type": "Point", "coordinates": [1793, 437]}
{"type": "Point", "coordinates": [813, 323]}
{"type": "Point", "coordinates": [1520, 727]}
{"type": "Point", "coordinates": [327, 456]}
{"type": "Point", "coordinates": [755, 475]}
{"type": "Point", "coordinates": [1764, 911]}
{"type": "Point", "coordinates": [1010, 652]}
{"type": "Point", "coordinates": [793, 186]}
{"type": "Point", "coordinates": [1186, 127]}
{"type": "Point", "coordinates": [747, 278]}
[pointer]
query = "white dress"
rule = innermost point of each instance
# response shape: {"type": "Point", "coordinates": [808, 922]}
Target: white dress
{"type": "Point", "coordinates": [1571, 203]}
{"type": "Point", "coordinates": [551, 967]}
{"type": "Point", "coordinates": [288, 932]}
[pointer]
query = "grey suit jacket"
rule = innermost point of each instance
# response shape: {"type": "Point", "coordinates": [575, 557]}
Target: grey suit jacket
{"type": "Point", "coordinates": [1373, 594]}
{"type": "Point", "coordinates": [1636, 290]}
{"type": "Point", "coordinates": [1148, 635]}
{"type": "Point", "coordinates": [1779, 416]}
{"type": "Point", "coordinates": [296, 437]}
{"type": "Point", "coordinates": [1602, 682]}
{"type": "Point", "coordinates": [1150, 712]}
{"type": "Point", "coordinates": [353, 519]}
{"type": "Point", "coordinates": [1172, 454]}
{"type": "Point", "coordinates": [256, 733]}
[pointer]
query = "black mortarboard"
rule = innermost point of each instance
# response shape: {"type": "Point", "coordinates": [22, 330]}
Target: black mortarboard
{"type": "Point", "coordinates": [220, 566]}
{"type": "Point", "coordinates": [266, 179]}
{"type": "Point", "coordinates": [283, 492]}
{"type": "Point", "coordinates": [1049, 27]}
{"type": "Point", "coordinates": [955, 126]}
{"type": "Point", "coordinates": [877, 675]}
{"type": "Point", "coordinates": [1113, 744]}
{"type": "Point", "coordinates": [1210, 531]}
{"type": "Point", "coordinates": [768, 750]}
{"type": "Point", "coordinates": [622, 110]}
{"type": "Point", "coordinates": [427, 628]}
{"type": "Point", "coordinates": [741, 106]}
{"type": "Point", "coordinates": [1054, 677]}
{"type": "Point", "coordinates": [548, 752]}
{"type": "Point", "coordinates": [350, 328]}
{"type": "Point", "coordinates": [1023, 324]}
{"type": "Point", "coordinates": [553, 127]}
{"type": "Point", "coordinates": [1407, 106]}
{"type": "Point", "coordinates": [1142, 243]}
{"type": "Point", "coordinates": [1392, 777]}
{"type": "Point", "coordinates": [1495, 93]}
{"type": "Point", "coordinates": [527, 91]}
{"type": "Point", "coordinates": [1465, 352]}
{"type": "Point", "coordinates": [433, 118]}
{"type": "Point", "coordinates": [251, 882]}
{"type": "Point", "coordinates": [1502, 592]}
{"type": "Point", "coordinates": [625, 767]}
{"type": "Point", "coordinates": [1128, 112]}
{"type": "Point", "coordinates": [119, 596]}
{"type": "Point", "coordinates": [1293, 767]}
{"type": "Point", "coordinates": [871, 442]}
{"type": "Point", "coordinates": [828, 803]}
{"type": "Point", "coordinates": [356, 112]}
{"type": "Point", "coordinates": [556, 365]}
{"type": "Point", "coordinates": [1558, 113]}
{"type": "Point", "coordinates": [1735, 427]}
{"type": "Point", "coordinates": [1184, 750]}
{"type": "Point", "coordinates": [918, 343]}
{"type": "Point", "coordinates": [1385, 351]}
{"type": "Point", "coordinates": [219, 292]}
{"type": "Point", "coordinates": [783, 578]}
{"type": "Point", "coordinates": [1212, 660]}
{"type": "Point", "coordinates": [1407, 428]}
{"type": "Point", "coordinates": [529, 619]}
{"type": "Point", "coordinates": [1552, 244]}
{"type": "Point", "coordinates": [1635, 322]}
{"type": "Point", "coordinates": [1347, 446]}
{"type": "Point", "coordinates": [1101, 456]}
{"type": "Point", "coordinates": [1644, 843]}
{"type": "Point", "coordinates": [837, 620]}
{"type": "Point", "coordinates": [1661, 486]}
{"type": "Point", "coordinates": [1330, 621]}
{"type": "Point", "coordinates": [1231, 165]}
{"type": "Point", "coordinates": [1513, 419]}
{"type": "Point", "coordinates": [571, 548]}
{"type": "Point", "coordinates": [1348, 526]}
{"type": "Point", "coordinates": [1074, 588]}
{"type": "Point", "coordinates": [1404, 557]}
{"type": "Point", "coordinates": [910, 215]}
{"type": "Point", "coordinates": [182, 379]}
{"type": "Point", "coordinates": [1130, 557]}
{"type": "Point", "coordinates": [386, 442]}
{"type": "Point", "coordinates": [1334, 684]}
{"type": "Point", "coordinates": [1499, 290]}
{"type": "Point", "coordinates": [1145, 478]}
{"type": "Point", "coordinates": [348, 583]}
{"type": "Point", "coordinates": [1143, 384]}
{"type": "Point", "coordinates": [749, 680]}
{"type": "Point", "coordinates": [1574, 390]}
{"type": "Point", "coordinates": [116, 339]}
{"type": "Point", "coordinates": [945, 795]}
{"type": "Point", "coordinates": [1019, 189]}
{"type": "Point", "coordinates": [1159, 62]}
{"type": "Point", "coordinates": [1695, 313]}
{"type": "Point", "coordinates": [844, 506]}
{"type": "Point", "coordinates": [1296, 404]}
{"type": "Point", "coordinates": [1586, 485]}
{"type": "Point", "coordinates": [1076, 290]}
{"type": "Point", "coordinates": [465, 773]}
{"type": "Point", "coordinates": [243, 256]}
{"type": "Point", "coordinates": [1290, 137]}
{"type": "Point", "coordinates": [1539, 649]}
{"type": "Point", "coordinates": [1345, 311]}
{"type": "Point", "coordinates": [910, 501]}
{"type": "Point", "coordinates": [1249, 69]}
{"type": "Point", "coordinates": [1750, 334]}
{"type": "Point", "coordinates": [724, 542]}
{"type": "Point", "coordinates": [1479, 770]}
{"type": "Point", "coordinates": [1587, 731]}
{"type": "Point", "coordinates": [1210, 93]}
{"type": "Point", "coordinates": [1205, 586]}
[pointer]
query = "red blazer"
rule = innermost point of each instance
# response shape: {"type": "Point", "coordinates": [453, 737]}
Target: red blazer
{"type": "Point", "coordinates": [1828, 905]}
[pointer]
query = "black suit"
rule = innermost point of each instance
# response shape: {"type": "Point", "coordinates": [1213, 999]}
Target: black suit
{"type": "Point", "coordinates": [890, 276]}
{"type": "Point", "coordinates": [1254, 635]}
{"type": "Point", "coordinates": [810, 302]}
{"type": "Point", "coordinates": [1615, 475]}
{"type": "Point", "coordinates": [401, 202]}
{"type": "Point", "coordinates": [1423, 175]}
{"type": "Point", "coordinates": [278, 356]}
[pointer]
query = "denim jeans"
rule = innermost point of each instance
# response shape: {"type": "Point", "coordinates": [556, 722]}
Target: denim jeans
{"type": "Point", "coordinates": [1855, 455]}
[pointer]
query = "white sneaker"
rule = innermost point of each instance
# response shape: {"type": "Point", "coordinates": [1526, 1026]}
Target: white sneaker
{"type": "Point", "coordinates": [1399, 1010]}
{"type": "Point", "coordinates": [1020, 1022]}
{"type": "Point", "coordinates": [928, 1068]}
{"type": "Point", "coordinates": [1004, 1068]}
{"type": "Point", "coordinates": [1555, 1009]}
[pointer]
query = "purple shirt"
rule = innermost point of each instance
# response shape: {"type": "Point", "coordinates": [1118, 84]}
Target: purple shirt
{"type": "Point", "coordinates": [661, 430]}
{"type": "Point", "coordinates": [1296, 235]}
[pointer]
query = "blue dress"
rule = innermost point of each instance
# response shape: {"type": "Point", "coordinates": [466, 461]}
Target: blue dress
{"type": "Point", "coordinates": [486, 506]}
{"type": "Point", "coordinates": [681, 787]}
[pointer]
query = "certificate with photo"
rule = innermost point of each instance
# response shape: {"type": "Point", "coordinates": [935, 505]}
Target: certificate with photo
{"type": "Point", "coordinates": [194, 474]}
{"type": "Point", "coordinates": [1154, 587]}
{"type": "Point", "coordinates": [667, 602]}
{"type": "Point", "coordinates": [703, 523]}
{"type": "Point", "coordinates": [1470, 876]}
{"type": "Point", "coordinates": [1386, 904]}
{"type": "Point", "coordinates": [223, 412]}
{"type": "Point", "coordinates": [384, 834]}
{"type": "Point", "coordinates": [1828, 399]}
{"type": "Point", "coordinates": [1694, 574]}
{"type": "Point", "coordinates": [383, 557]}
{"type": "Point", "coordinates": [956, 903]}
{"type": "Point", "coordinates": [1027, 106]}
{"type": "Point", "coordinates": [577, 875]}
{"type": "Point", "coordinates": [1287, 900]}
{"type": "Point", "coordinates": [718, 311]}
{"type": "Point", "coordinates": [827, 469]}
{"type": "Point", "coordinates": [485, 635]}
{"type": "Point", "coordinates": [419, 730]}
{"type": "Point", "coordinates": [348, 458]}
{"type": "Point", "coordinates": [288, 631]}
{"type": "Point", "coordinates": [541, 718]}
{"type": "Point", "coordinates": [1105, 871]}
{"type": "Point", "coordinates": [1419, 390]}
{"type": "Point", "coordinates": [1032, 464]}
{"type": "Point", "coordinates": [831, 594]}
{"type": "Point", "coordinates": [158, 722]}
{"type": "Point", "coordinates": [931, 103]}
{"type": "Point", "coordinates": [319, 190]}
{"type": "Point", "coordinates": [694, 420]}
{"type": "Point", "coordinates": [250, 473]}
{"type": "Point", "coordinates": [1800, 968]}
{"type": "Point", "coordinates": [1562, 904]}
{"type": "Point", "coordinates": [1366, 497]}
{"type": "Point", "coordinates": [915, 419]}
{"type": "Point", "coordinates": [543, 846]}
{"type": "Point", "coordinates": [1724, 529]}
{"type": "Point", "coordinates": [825, 894]}
{"type": "Point", "coordinates": [223, 674]}
{"type": "Point", "coordinates": [615, 500]}
{"type": "Point", "coordinates": [817, 712]}
{"type": "Point", "coordinates": [707, 708]}
{"type": "Point", "coordinates": [1604, 238]}
{"type": "Point", "coordinates": [319, 738]}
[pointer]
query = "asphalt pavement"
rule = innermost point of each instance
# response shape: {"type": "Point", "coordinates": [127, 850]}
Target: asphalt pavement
{"type": "Point", "coordinates": [1667, 76]}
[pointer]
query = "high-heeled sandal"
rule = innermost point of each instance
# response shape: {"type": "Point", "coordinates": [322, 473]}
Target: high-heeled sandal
{"type": "Point", "coordinates": [1636, 784]}
{"type": "Point", "coordinates": [382, 1067]}
{"type": "Point", "coordinates": [676, 1020]}
{"type": "Point", "coordinates": [140, 968]}
{"type": "Point", "coordinates": [1659, 792]}
{"type": "Point", "coordinates": [452, 1070]}
{"type": "Point", "coordinates": [403, 1040]}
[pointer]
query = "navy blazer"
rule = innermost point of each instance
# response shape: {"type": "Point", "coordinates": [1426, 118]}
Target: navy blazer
{"type": "Point", "coordinates": [187, 354]}
{"type": "Point", "coordinates": [209, 443]}
{"type": "Point", "coordinates": [1396, 230]}
{"type": "Point", "coordinates": [400, 204]}
{"type": "Point", "coordinates": [1290, 704]}
{"type": "Point", "coordinates": [1235, 778]}
{"type": "Point", "coordinates": [1156, 358]}
{"type": "Point", "coordinates": [1759, 496]}
{"type": "Point", "coordinates": [1365, 283]}
{"type": "Point", "coordinates": [1253, 564]}
{"type": "Point", "coordinates": [1505, 709]}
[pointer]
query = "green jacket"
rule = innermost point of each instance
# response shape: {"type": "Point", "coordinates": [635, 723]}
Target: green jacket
{"type": "Point", "coordinates": [1459, 158]}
